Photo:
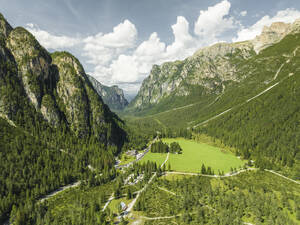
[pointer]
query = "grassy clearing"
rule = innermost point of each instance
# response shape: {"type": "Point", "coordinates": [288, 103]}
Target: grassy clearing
{"type": "Point", "coordinates": [159, 158]}
{"type": "Point", "coordinates": [127, 159]}
{"type": "Point", "coordinates": [114, 205]}
{"type": "Point", "coordinates": [194, 155]}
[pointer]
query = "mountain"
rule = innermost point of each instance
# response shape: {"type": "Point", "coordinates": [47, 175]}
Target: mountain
{"type": "Point", "coordinates": [252, 105]}
{"type": "Point", "coordinates": [54, 87]}
{"type": "Point", "coordinates": [112, 96]}
{"type": "Point", "coordinates": [53, 124]}
{"type": "Point", "coordinates": [208, 72]}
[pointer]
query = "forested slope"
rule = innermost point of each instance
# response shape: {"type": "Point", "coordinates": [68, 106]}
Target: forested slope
{"type": "Point", "coordinates": [53, 124]}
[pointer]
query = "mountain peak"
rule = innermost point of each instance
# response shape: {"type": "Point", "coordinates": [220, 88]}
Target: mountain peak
{"type": "Point", "coordinates": [5, 27]}
{"type": "Point", "coordinates": [274, 33]}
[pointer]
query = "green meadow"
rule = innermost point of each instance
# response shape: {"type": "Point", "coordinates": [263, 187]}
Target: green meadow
{"type": "Point", "coordinates": [195, 154]}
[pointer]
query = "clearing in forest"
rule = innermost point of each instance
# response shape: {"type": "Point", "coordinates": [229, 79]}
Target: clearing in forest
{"type": "Point", "coordinates": [195, 154]}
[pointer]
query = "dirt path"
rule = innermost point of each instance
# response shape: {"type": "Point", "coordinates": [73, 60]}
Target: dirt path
{"type": "Point", "coordinates": [76, 184]}
{"type": "Point", "coordinates": [5, 117]}
{"type": "Point", "coordinates": [206, 121]}
{"type": "Point", "coordinates": [228, 110]}
{"type": "Point", "coordinates": [108, 201]}
{"type": "Point", "coordinates": [159, 218]}
{"type": "Point", "coordinates": [264, 91]}
{"type": "Point", "coordinates": [279, 70]}
{"type": "Point", "coordinates": [278, 174]}
{"type": "Point", "coordinates": [170, 192]}
{"type": "Point", "coordinates": [232, 174]}
{"type": "Point", "coordinates": [213, 176]}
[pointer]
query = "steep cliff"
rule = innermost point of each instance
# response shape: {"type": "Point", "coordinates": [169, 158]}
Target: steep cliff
{"type": "Point", "coordinates": [53, 87]}
{"type": "Point", "coordinates": [112, 96]}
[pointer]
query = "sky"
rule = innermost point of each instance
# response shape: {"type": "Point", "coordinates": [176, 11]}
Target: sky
{"type": "Point", "coordinates": [118, 41]}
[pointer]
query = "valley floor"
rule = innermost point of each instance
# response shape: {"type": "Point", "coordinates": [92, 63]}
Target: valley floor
{"type": "Point", "coordinates": [195, 154]}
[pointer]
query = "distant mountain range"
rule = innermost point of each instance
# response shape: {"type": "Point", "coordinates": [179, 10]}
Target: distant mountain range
{"type": "Point", "coordinates": [112, 96]}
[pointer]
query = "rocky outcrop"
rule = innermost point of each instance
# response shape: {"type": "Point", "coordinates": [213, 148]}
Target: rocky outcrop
{"type": "Point", "coordinates": [51, 87]}
{"type": "Point", "coordinates": [34, 69]}
{"type": "Point", "coordinates": [271, 35]}
{"type": "Point", "coordinates": [112, 96]}
{"type": "Point", "coordinates": [8, 81]}
{"type": "Point", "coordinates": [72, 95]}
{"type": "Point", "coordinates": [5, 27]}
{"type": "Point", "coordinates": [83, 108]}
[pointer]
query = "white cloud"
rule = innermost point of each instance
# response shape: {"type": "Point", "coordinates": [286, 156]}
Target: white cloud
{"type": "Point", "coordinates": [51, 41]}
{"type": "Point", "coordinates": [287, 16]}
{"type": "Point", "coordinates": [125, 69]}
{"type": "Point", "coordinates": [116, 58]}
{"type": "Point", "coordinates": [213, 22]}
{"type": "Point", "coordinates": [184, 44]}
{"type": "Point", "coordinates": [243, 13]}
{"type": "Point", "coordinates": [102, 48]}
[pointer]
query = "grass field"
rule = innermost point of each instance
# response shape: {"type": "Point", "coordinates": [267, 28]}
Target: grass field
{"type": "Point", "coordinates": [194, 154]}
{"type": "Point", "coordinates": [114, 205]}
{"type": "Point", "coordinates": [126, 159]}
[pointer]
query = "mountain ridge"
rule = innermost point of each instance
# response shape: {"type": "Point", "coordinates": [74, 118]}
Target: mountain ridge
{"type": "Point", "coordinates": [211, 69]}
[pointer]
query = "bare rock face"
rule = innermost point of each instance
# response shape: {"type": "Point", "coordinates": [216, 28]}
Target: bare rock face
{"type": "Point", "coordinates": [50, 111]}
{"type": "Point", "coordinates": [32, 63]}
{"type": "Point", "coordinates": [71, 92]}
{"type": "Point", "coordinates": [8, 81]}
{"type": "Point", "coordinates": [34, 69]}
{"type": "Point", "coordinates": [271, 35]}
{"type": "Point", "coordinates": [5, 27]}
{"type": "Point", "coordinates": [84, 109]}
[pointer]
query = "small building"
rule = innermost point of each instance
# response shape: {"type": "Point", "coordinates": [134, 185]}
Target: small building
{"type": "Point", "coordinates": [123, 206]}
{"type": "Point", "coordinates": [132, 152]}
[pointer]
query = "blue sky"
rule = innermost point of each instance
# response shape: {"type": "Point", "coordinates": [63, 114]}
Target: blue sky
{"type": "Point", "coordinates": [118, 41]}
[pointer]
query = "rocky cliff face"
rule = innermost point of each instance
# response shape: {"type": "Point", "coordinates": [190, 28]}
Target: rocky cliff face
{"type": "Point", "coordinates": [112, 96]}
{"type": "Point", "coordinates": [34, 70]}
{"type": "Point", "coordinates": [54, 86]}
{"type": "Point", "coordinates": [270, 35]}
{"type": "Point", "coordinates": [210, 68]}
